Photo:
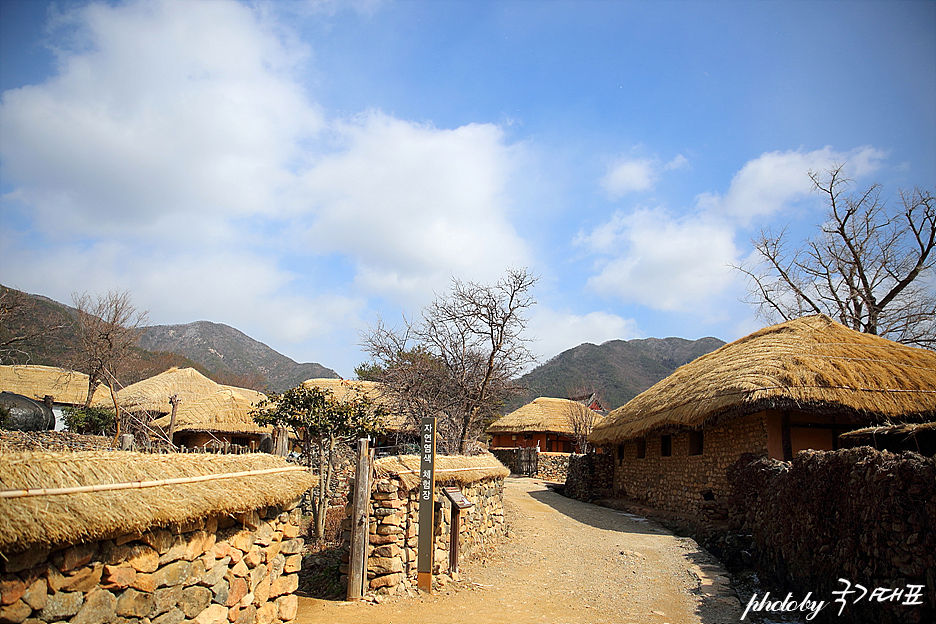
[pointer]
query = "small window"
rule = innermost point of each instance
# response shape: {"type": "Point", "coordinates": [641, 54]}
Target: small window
{"type": "Point", "coordinates": [666, 446]}
{"type": "Point", "coordinates": [695, 443]}
{"type": "Point", "coordinates": [641, 448]}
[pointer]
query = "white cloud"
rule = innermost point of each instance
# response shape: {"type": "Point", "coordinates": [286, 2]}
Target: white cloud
{"type": "Point", "coordinates": [629, 175]}
{"type": "Point", "coordinates": [557, 331]}
{"type": "Point", "coordinates": [654, 258]}
{"type": "Point", "coordinates": [768, 183]}
{"type": "Point", "coordinates": [414, 204]}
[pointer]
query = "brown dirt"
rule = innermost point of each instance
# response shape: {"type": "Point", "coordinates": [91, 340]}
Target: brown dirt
{"type": "Point", "coordinates": [564, 561]}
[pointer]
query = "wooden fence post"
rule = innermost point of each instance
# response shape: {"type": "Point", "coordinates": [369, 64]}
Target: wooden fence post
{"type": "Point", "coordinates": [360, 512]}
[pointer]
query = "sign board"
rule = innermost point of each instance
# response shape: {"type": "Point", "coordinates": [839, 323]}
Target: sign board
{"type": "Point", "coordinates": [458, 499]}
{"type": "Point", "coordinates": [427, 430]}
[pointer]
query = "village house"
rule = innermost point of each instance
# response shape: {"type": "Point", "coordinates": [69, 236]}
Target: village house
{"type": "Point", "coordinates": [221, 419]}
{"type": "Point", "coordinates": [793, 386]}
{"type": "Point", "coordinates": [50, 388]}
{"type": "Point", "coordinates": [544, 423]}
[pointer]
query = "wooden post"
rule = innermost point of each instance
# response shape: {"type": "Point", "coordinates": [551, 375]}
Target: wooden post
{"type": "Point", "coordinates": [126, 441]}
{"type": "Point", "coordinates": [426, 537]}
{"type": "Point", "coordinates": [174, 402]}
{"type": "Point", "coordinates": [357, 565]}
{"type": "Point", "coordinates": [453, 539]}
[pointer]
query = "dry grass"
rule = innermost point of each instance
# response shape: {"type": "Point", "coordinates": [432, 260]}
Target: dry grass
{"type": "Point", "coordinates": [543, 415]}
{"type": "Point", "coordinates": [459, 469]}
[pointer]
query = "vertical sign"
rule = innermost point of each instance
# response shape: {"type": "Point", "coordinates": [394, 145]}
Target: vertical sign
{"type": "Point", "coordinates": [425, 540]}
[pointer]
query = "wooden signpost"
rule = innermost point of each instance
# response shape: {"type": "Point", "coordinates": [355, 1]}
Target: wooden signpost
{"type": "Point", "coordinates": [459, 502]}
{"type": "Point", "coordinates": [425, 541]}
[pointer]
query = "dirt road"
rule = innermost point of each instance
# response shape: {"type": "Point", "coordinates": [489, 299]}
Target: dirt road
{"type": "Point", "coordinates": [564, 562]}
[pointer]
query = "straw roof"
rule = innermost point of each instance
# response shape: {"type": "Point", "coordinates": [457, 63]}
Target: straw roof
{"type": "Point", "coordinates": [460, 469]}
{"type": "Point", "coordinates": [227, 410]}
{"type": "Point", "coordinates": [152, 394]}
{"type": "Point", "coordinates": [808, 364]}
{"type": "Point", "coordinates": [75, 517]}
{"type": "Point", "coordinates": [543, 415]}
{"type": "Point", "coordinates": [394, 419]}
{"type": "Point", "coordinates": [905, 429]}
{"type": "Point", "coordinates": [37, 382]}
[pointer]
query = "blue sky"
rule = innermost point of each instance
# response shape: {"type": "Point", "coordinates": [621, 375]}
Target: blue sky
{"type": "Point", "coordinates": [295, 169]}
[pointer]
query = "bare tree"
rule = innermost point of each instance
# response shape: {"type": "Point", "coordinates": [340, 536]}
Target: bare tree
{"type": "Point", "coordinates": [868, 267]}
{"type": "Point", "coordinates": [108, 329]}
{"type": "Point", "coordinates": [582, 421]}
{"type": "Point", "coordinates": [460, 360]}
{"type": "Point", "coordinates": [18, 329]}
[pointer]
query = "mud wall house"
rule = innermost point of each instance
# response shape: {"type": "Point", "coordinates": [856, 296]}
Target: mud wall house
{"type": "Point", "coordinates": [544, 423]}
{"type": "Point", "coordinates": [793, 386]}
{"type": "Point", "coordinates": [53, 387]}
{"type": "Point", "coordinates": [161, 538]}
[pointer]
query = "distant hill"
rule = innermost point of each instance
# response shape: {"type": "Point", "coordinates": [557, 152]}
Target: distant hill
{"type": "Point", "coordinates": [618, 370]}
{"type": "Point", "coordinates": [229, 352]}
{"type": "Point", "coordinates": [218, 351]}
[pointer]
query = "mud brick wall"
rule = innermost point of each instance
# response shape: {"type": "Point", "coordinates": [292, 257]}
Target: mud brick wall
{"type": "Point", "coordinates": [864, 515]}
{"type": "Point", "coordinates": [394, 527]}
{"type": "Point", "coordinates": [590, 476]}
{"type": "Point", "coordinates": [221, 569]}
{"type": "Point", "coordinates": [692, 484]}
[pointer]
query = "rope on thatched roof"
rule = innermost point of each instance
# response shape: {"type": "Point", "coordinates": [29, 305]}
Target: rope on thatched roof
{"type": "Point", "coordinates": [458, 469]}
{"type": "Point", "coordinates": [83, 516]}
{"type": "Point", "coordinates": [811, 363]}
{"type": "Point", "coordinates": [544, 415]}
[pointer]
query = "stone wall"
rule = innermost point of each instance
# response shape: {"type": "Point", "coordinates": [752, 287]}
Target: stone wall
{"type": "Point", "coordinates": [553, 466]}
{"type": "Point", "coordinates": [684, 482]}
{"type": "Point", "coordinates": [220, 569]}
{"type": "Point", "coordinates": [590, 476]}
{"type": "Point", "coordinates": [863, 515]}
{"type": "Point", "coordinates": [394, 526]}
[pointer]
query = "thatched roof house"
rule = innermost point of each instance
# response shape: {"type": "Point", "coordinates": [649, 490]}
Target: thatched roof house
{"type": "Point", "coordinates": [545, 421]}
{"type": "Point", "coordinates": [66, 387]}
{"type": "Point", "coordinates": [152, 394]}
{"type": "Point", "coordinates": [139, 500]}
{"type": "Point", "coordinates": [808, 364]}
{"type": "Point", "coordinates": [394, 420]}
{"type": "Point", "coordinates": [226, 411]}
{"type": "Point", "coordinates": [792, 386]}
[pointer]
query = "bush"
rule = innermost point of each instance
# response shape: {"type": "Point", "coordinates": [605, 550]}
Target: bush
{"type": "Point", "coordinates": [93, 420]}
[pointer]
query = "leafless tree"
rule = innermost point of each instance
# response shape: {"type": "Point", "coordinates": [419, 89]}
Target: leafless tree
{"type": "Point", "coordinates": [459, 361]}
{"type": "Point", "coordinates": [870, 267]}
{"type": "Point", "coordinates": [108, 329]}
{"type": "Point", "coordinates": [17, 332]}
{"type": "Point", "coordinates": [582, 421]}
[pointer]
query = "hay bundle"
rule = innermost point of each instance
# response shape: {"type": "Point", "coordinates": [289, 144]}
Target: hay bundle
{"type": "Point", "coordinates": [75, 517]}
{"type": "Point", "coordinates": [545, 415]}
{"type": "Point", "coordinates": [458, 469]}
{"type": "Point", "coordinates": [227, 410]}
{"type": "Point", "coordinates": [807, 364]}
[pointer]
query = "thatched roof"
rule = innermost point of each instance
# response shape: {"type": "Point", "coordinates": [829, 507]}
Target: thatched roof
{"type": "Point", "coordinates": [227, 410]}
{"type": "Point", "coordinates": [37, 382]}
{"type": "Point", "coordinates": [152, 394]}
{"type": "Point", "coordinates": [460, 469]}
{"type": "Point", "coordinates": [543, 415]}
{"type": "Point", "coordinates": [808, 364]}
{"type": "Point", "coordinates": [73, 517]}
{"type": "Point", "coordinates": [899, 429]}
{"type": "Point", "coordinates": [394, 420]}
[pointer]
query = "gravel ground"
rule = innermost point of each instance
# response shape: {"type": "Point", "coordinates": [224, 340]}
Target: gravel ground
{"type": "Point", "coordinates": [564, 562]}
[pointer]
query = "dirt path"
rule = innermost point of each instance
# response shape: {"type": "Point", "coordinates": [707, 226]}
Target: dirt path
{"type": "Point", "coordinates": [564, 562]}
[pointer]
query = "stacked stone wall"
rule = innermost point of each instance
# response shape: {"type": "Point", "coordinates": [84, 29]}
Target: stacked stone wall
{"type": "Point", "coordinates": [685, 483]}
{"type": "Point", "coordinates": [590, 476]}
{"type": "Point", "coordinates": [860, 514]}
{"type": "Point", "coordinates": [394, 526]}
{"type": "Point", "coordinates": [221, 569]}
{"type": "Point", "coordinates": [553, 467]}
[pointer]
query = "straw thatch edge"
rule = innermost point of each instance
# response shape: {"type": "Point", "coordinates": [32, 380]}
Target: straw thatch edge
{"type": "Point", "coordinates": [86, 516]}
{"type": "Point", "coordinates": [449, 469]}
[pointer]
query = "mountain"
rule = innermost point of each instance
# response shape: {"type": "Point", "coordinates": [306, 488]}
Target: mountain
{"type": "Point", "coordinates": [618, 370]}
{"type": "Point", "coordinates": [230, 353]}
{"type": "Point", "coordinates": [218, 351]}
